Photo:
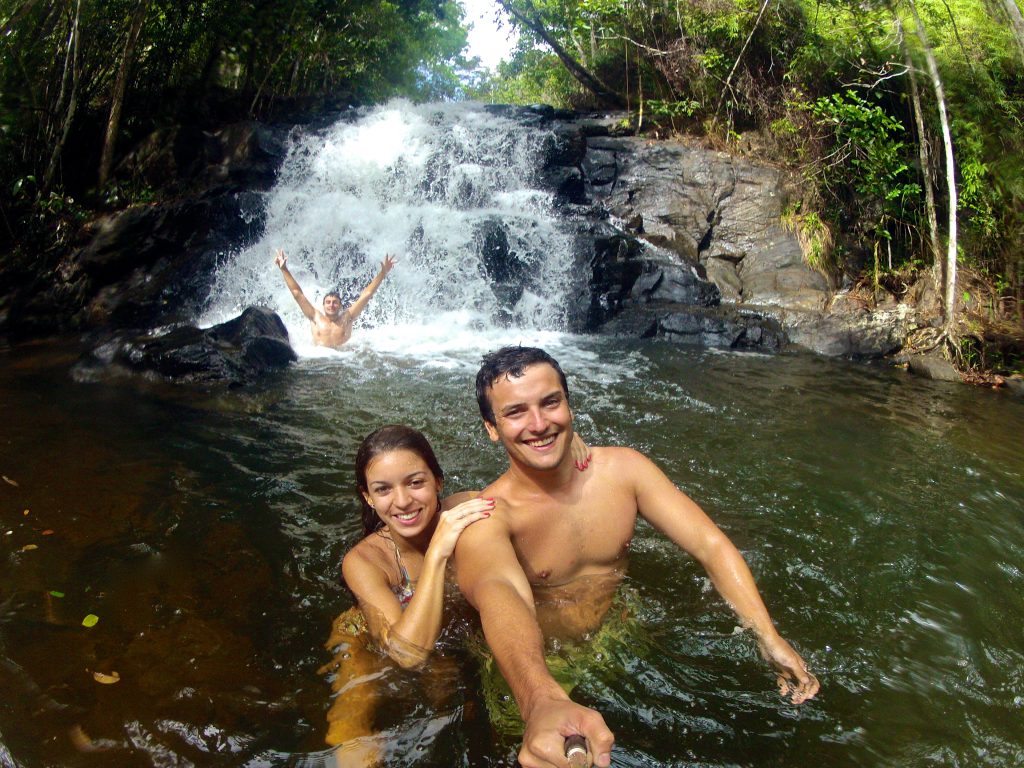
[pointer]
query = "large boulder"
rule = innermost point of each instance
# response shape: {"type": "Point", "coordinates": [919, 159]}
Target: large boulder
{"type": "Point", "coordinates": [234, 353]}
{"type": "Point", "coordinates": [706, 206]}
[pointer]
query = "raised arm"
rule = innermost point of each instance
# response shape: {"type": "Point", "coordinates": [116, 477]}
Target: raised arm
{"type": "Point", "coordinates": [281, 260]}
{"type": "Point", "coordinates": [677, 516]}
{"type": "Point", "coordinates": [364, 298]}
{"type": "Point", "coordinates": [409, 636]}
{"type": "Point", "coordinates": [494, 583]}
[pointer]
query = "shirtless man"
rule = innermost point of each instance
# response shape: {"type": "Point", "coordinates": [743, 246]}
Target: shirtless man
{"type": "Point", "coordinates": [556, 531]}
{"type": "Point", "coordinates": [333, 326]}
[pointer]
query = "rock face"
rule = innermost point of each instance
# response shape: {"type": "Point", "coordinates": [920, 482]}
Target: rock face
{"type": "Point", "coordinates": [687, 244]}
{"type": "Point", "coordinates": [933, 366]}
{"type": "Point", "coordinates": [234, 353]}
{"type": "Point", "coordinates": [150, 265]}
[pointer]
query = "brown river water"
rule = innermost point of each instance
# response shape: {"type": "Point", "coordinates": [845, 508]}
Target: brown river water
{"type": "Point", "coordinates": [883, 517]}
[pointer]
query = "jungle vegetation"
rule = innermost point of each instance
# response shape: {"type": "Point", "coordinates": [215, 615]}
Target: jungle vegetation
{"type": "Point", "coordinates": [903, 118]}
{"type": "Point", "coordinates": [82, 81]}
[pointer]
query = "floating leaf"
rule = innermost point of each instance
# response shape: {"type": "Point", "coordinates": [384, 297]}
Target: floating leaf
{"type": "Point", "coordinates": [55, 593]}
{"type": "Point", "coordinates": [29, 547]}
{"type": "Point", "coordinates": [48, 532]}
{"type": "Point", "coordinates": [110, 679]}
{"type": "Point", "coordinates": [90, 620]}
{"type": "Point", "coordinates": [25, 512]}
{"type": "Point", "coordinates": [9, 481]}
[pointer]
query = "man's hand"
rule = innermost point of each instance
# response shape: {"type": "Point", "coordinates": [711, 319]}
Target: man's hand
{"type": "Point", "coordinates": [387, 264]}
{"type": "Point", "coordinates": [547, 727]}
{"type": "Point", "coordinates": [794, 679]}
{"type": "Point", "coordinates": [280, 259]}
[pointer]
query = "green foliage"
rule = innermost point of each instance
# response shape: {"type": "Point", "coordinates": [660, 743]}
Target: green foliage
{"type": "Point", "coordinates": [530, 78]}
{"type": "Point", "coordinates": [661, 108]}
{"type": "Point", "coordinates": [195, 61]}
{"type": "Point", "coordinates": [195, 55]}
{"type": "Point", "coordinates": [869, 152]}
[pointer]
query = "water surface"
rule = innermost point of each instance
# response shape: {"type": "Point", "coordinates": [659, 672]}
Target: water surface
{"type": "Point", "coordinates": [882, 515]}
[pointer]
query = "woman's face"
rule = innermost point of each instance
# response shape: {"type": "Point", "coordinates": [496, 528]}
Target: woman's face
{"type": "Point", "coordinates": [403, 491]}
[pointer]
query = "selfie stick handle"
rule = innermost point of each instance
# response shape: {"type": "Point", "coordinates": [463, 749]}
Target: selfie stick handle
{"type": "Point", "coordinates": [576, 751]}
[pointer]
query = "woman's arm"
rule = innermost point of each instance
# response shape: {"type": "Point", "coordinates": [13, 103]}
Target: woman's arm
{"type": "Point", "coordinates": [408, 636]}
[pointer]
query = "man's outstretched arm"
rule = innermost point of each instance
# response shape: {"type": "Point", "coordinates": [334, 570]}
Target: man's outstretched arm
{"type": "Point", "coordinates": [680, 518]}
{"type": "Point", "coordinates": [494, 583]}
{"type": "Point", "coordinates": [300, 298]}
{"type": "Point", "coordinates": [364, 298]}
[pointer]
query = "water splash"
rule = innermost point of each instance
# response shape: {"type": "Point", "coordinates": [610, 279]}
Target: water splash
{"type": "Point", "coordinates": [442, 187]}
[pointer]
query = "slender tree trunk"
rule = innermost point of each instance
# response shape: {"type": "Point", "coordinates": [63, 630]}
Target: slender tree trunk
{"type": "Point", "coordinates": [728, 81]}
{"type": "Point", "coordinates": [70, 76]}
{"type": "Point", "coordinates": [585, 77]}
{"type": "Point", "coordinates": [1016, 22]}
{"type": "Point", "coordinates": [120, 86]}
{"type": "Point", "coordinates": [924, 157]}
{"type": "Point", "coordinates": [947, 141]}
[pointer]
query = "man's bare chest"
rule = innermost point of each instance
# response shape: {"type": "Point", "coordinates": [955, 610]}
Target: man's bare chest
{"type": "Point", "coordinates": [558, 543]}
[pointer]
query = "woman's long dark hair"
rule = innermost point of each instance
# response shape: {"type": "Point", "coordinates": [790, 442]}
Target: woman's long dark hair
{"type": "Point", "coordinates": [393, 437]}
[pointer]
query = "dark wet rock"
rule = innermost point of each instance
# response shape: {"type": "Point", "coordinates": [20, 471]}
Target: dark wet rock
{"type": "Point", "coordinates": [506, 271]}
{"type": "Point", "coordinates": [244, 154]}
{"type": "Point", "coordinates": [1015, 384]}
{"type": "Point", "coordinates": [564, 146]}
{"type": "Point", "coordinates": [720, 210]}
{"type": "Point", "coordinates": [671, 231]}
{"type": "Point", "coordinates": [933, 366]}
{"type": "Point", "coordinates": [151, 265]}
{"type": "Point", "coordinates": [718, 327]}
{"type": "Point", "coordinates": [236, 352]}
{"type": "Point", "coordinates": [566, 183]}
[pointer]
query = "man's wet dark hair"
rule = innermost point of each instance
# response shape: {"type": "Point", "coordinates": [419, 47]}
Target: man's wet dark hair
{"type": "Point", "coordinates": [332, 293]}
{"type": "Point", "coordinates": [393, 437]}
{"type": "Point", "coordinates": [510, 362]}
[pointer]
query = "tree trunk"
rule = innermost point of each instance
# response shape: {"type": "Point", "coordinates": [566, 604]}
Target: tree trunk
{"type": "Point", "coordinates": [585, 77]}
{"type": "Point", "coordinates": [728, 81]}
{"type": "Point", "coordinates": [70, 74]}
{"type": "Point", "coordinates": [924, 157]}
{"type": "Point", "coordinates": [947, 141]}
{"type": "Point", "coordinates": [1016, 22]}
{"type": "Point", "coordinates": [120, 86]}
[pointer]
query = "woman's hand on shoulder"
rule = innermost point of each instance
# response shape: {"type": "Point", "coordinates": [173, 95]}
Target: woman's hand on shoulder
{"type": "Point", "coordinates": [581, 453]}
{"type": "Point", "coordinates": [455, 520]}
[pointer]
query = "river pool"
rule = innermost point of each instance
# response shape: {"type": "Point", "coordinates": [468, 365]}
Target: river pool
{"type": "Point", "coordinates": [882, 515]}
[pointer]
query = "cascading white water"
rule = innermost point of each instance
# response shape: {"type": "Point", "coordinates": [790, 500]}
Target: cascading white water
{"type": "Point", "coordinates": [426, 184]}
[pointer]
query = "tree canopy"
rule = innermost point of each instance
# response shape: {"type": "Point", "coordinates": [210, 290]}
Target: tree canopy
{"type": "Point", "coordinates": [79, 75]}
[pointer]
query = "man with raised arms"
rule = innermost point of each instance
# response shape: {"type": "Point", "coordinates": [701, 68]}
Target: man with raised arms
{"type": "Point", "coordinates": [551, 556]}
{"type": "Point", "coordinates": [333, 326]}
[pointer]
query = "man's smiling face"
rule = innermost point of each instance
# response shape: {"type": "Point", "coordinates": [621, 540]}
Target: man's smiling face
{"type": "Point", "coordinates": [532, 417]}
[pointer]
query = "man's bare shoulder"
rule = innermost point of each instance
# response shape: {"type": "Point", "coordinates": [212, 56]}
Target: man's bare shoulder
{"type": "Point", "coordinates": [611, 461]}
{"type": "Point", "coordinates": [498, 489]}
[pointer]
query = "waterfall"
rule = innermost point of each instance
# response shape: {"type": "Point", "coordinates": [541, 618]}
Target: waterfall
{"type": "Point", "coordinates": [446, 188]}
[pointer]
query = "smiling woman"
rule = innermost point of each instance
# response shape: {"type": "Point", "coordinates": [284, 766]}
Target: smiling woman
{"type": "Point", "coordinates": [397, 574]}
